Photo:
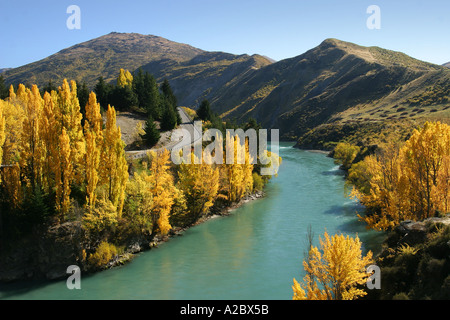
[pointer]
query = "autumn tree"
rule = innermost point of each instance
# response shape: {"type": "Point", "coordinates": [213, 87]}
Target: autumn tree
{"type": "Point", "coordinates": [31, 158]}
{"type": "Point", "coordinates": [200, 185]}
{"type": "Point", "coordinates": [163, 191]}
{"type": "Point", "coordinates": [139, 203]}
{"type": "Point", "coordinates": [2, 133]}
{"type": "Point", "coordinates": [237, 175]}
{"type": "Point", "coordinates": [345, 153]}
{"type": "Point", "coordinates": [94, 143]}
{"type": "Point", "coordinates": [114, 168]}
{"type": "Point", "coordinates": [70, 117]}
{"type": "Point", "coordinates": [410, 183]}
{"type": "Point", "coordinates": [335, 271]}
{"type": "Point", "coordinates": [125, 78]}
{"type": "Point", "coordinates": [50, 139]}
{"type": "Point", "coordinates": [13, 115]}
{"type": "Point", "coordinates": [64, 174]}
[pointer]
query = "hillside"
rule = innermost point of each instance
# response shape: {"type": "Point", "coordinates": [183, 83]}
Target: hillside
{"type": "Point", "coordinates": [334, 82]}
{"type": "Point", "coordinates": [102, 56]}
{"type": "Point", "coordinates": [447, 64]}
{"type": "Point", "coordinates": [192, 71]}
{"type": "Point", "coordinates": [203, 76]}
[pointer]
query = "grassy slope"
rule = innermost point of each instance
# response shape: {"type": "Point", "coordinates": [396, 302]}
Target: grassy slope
{"type": "Point", "coordinates": [333, 85]}
{"type": "Point", "coordinates": [334, 82]}
{"type": "Point", "coordinates": [194, 74]}
{"type": "Point", "coordinates": [103, 56]}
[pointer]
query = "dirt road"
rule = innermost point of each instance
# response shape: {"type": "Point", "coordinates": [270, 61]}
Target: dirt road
{"type": "Point", "coordinates": [176, 138]}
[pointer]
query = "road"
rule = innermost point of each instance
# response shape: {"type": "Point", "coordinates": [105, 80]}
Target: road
{"type": "Point", "coordinates": [177, 137]}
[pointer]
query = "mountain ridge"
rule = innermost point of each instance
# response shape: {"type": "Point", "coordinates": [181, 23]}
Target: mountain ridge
{"type": "Point", "coordinates": [334, 82]}
{"type": "Point", "coordinates": [319, 86]}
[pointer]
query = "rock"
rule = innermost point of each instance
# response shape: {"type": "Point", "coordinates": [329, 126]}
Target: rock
{"type": "Point", "coordinates": [414, 232]}
{"type": "Point", "coordinates": [44, 254]}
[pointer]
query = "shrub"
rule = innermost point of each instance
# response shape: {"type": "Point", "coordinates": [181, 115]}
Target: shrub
{"type": "Point", "coordinates": [258, 183]}
{"type": "Point", "coordinates": [345, 153]}
{"type": "Point", "coordinates": [104, 253]}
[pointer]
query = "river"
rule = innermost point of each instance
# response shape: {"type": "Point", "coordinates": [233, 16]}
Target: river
{"type": "Point", "coordinates": [253, 254]}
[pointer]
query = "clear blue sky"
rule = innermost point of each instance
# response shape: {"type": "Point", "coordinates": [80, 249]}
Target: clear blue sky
{"type": "Point", "coordinates": [33, 30]}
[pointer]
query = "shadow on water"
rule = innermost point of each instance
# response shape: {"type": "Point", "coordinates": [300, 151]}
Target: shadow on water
{"type": "Point", "coordinates": [17, 288]}
{"type": "Point", "coordinates": [371, 239]}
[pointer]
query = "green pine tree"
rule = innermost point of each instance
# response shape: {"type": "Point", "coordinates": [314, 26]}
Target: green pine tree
{"type": "Point", "coordinates": [169, 118]}
{"type": "Point", "coordinates": [204, 111]}
{"type": "Point", "coordinates": [152, 135]}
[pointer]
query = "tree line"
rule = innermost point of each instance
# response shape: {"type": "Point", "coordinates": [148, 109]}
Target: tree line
{"type": "Point", "coordinates": [59, 166]}
{"type": "Point", "coordinates": [407, 180]}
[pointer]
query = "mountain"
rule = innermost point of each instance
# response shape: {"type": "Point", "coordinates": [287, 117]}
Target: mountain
{"type": "Point", "coordinates": [335, 82]}
{"type": "Point", "coordinates": [203, 76]}
{"type": "Point", "coordinates": [447, 64]}
{"type": "Point", "coordinates": [4, 69]}
{"type": "Point", "coordinates": [191, 71]}
{"type": "Point", "coordinates": [333, 85]}
{"type": "Point", "coordinates": [103, 56]}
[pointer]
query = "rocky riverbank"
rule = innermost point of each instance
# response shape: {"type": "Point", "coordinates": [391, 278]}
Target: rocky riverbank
{"type": "Point", "coordinates": [415, 261]}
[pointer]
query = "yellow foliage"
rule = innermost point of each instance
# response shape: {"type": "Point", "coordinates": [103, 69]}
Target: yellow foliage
{"type": "Point", "coordinates": [200, 185]}
{"type": "Point", "coordinates": [335, 271]}
{"type": "Point", "coordinates": [125, 79]}
{"type": "Point", "coordinates": [410, 183]}
{"type": "Point", "coordinates": [94, 142]}
{"type": "Point", "coordinates": [64, 174]}
{"type": "Point", "coordinates": [104, 254]}
{"type": "Point", "coordinates": [100, 216]}
{"type": "Point", "coordinates": [407, 250]}
{"type": "Point", "coordinates": [345, 153]}
{"type": "Point", "coordinates": [2, 133]}
{"type": "Point", "coordinates": [163, 190]}
{"type": "Point", "coordinates": [114, 168]}
{"type": "Point", "coordinates": [237, 177]}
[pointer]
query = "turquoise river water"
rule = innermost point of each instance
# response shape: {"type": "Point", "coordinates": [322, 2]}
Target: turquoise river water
{"type": "Point", "coordinates": [253, 254]}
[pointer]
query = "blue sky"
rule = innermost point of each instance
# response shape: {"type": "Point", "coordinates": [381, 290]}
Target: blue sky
{"type": "Point", "coordinates": [33, 30]}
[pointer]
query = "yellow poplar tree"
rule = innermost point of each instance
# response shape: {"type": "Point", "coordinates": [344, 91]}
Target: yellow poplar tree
{"type": "Point", "coordinates": [335, 271]}
{"type": "Point", "coordinates": [410, 183]}
{"type": "Point", "coordinates": [139, 193]}
{"type": "Point", "coordinates": [237, 179]}
{"type": "Point", "coordinates": [13, 114]}
{"type": "Point", "coordinates": [125, 78]}
{"type": "Point", "coordinates": [114, 167]}
{"type": "Point", "coordinates": [163, 191]}
{"type": "Point", "coordinates": [70, 117]}
{"type": "Point", "coordinates": [94, 141]}
{"type": "Point", "coordinates": [2, 133]}
{"type": "Point", "coordinates": [32, 155]}
{"type": "Point", "coordinates": [50, 139]}
{"type": "Point", "coordinates": [200, 185]}
{"type": "Point", "coordinates": [64, 174]}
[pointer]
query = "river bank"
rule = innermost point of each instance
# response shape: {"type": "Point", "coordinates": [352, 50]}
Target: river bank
{"type": "Point", "coordinates": [179, 231]}
{"type": "Point", "coordinates": [48, 251]}
{"type": "Point", "coordinates": [227, 258]}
